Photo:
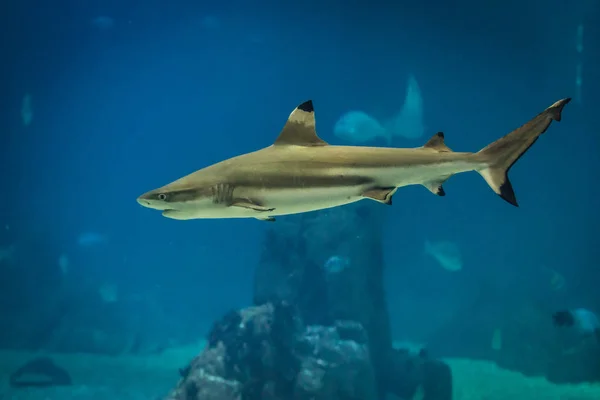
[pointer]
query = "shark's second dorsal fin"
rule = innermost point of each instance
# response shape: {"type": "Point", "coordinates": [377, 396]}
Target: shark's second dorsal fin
{"type": "Point", "coordinates": [437, 143]}
{"type": "Point", "coordinates": [299, 130]}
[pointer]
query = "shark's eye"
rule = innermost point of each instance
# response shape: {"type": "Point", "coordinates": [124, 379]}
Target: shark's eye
{"type": "Point", "coordinates": [162, 196]}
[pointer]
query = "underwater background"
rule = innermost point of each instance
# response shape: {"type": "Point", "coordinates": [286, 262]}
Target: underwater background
{"type": "Point", "coordinates": [102, 101]}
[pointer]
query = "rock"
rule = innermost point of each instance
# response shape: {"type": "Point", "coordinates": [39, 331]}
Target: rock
{"type": "Point", "coordinates": [437, 381]}
{"type": "Point", "coordinates": [265, 352]}
{"type": "Point", "coordinates": [40, 372]}
{"type": "Point", "coordinates": [410, 373]}
{"type": "Point", "coordinates": [336, 363]}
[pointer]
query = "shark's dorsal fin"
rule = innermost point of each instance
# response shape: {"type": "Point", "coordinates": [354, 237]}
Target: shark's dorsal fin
{"type": "Point", "coordinates": [299, 130]}
{"type": "Point", "coordinates": [437, 143]}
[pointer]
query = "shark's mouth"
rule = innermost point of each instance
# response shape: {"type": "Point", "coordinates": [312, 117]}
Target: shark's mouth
{"type": "Point", "coordinates": [175, 214]}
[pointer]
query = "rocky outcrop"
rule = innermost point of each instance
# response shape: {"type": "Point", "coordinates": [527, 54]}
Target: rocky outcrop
{"type": "Point", "coordinates": [265, 352]}
{"type": "Point", "coordinates": [39, 372]}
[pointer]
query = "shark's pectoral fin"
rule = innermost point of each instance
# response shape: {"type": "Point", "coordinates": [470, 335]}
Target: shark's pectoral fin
{"type": "Point", "coordinates": [382, 195]}
{"type": "Point", "coordinates": [299, 130]}
{"type": "Point", "coordinates": [436, 187]}
{"type": "Point", "coordinates": [254, 206]}
{"type": "Point", "coordinates": [437, 143]}
{"type": "Point", "coordinates": [251, 205]}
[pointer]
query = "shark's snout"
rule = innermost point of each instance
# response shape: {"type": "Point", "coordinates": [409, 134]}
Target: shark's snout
{"type": "Point", "coordinates": [150, 203]}
{"type": "Point", "coordinates": [149, 200]}
{"type": "Point", "coordinates": [146, 202]}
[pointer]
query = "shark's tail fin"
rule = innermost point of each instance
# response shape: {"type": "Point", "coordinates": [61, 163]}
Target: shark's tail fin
{"type": "Point", "coordinates": [503, 153]}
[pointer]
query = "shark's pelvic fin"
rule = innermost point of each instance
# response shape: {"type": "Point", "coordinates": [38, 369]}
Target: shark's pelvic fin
{"type": "Point", "coordinates": [299, 130]}
{"type": "Point", "coordinates": [501, 155]}
{"type": "Point", "coordinates": [436, 187]}
{"type": "Point", "coordinates": [251, 205]}
{"type": "Point", "coordinates": [437, 143]}
{"type": "Point", "coordinates": [382, 195]}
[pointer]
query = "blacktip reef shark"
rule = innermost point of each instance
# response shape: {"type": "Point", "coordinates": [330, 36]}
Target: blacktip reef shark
{"type": "Point", "coordinates": [300, 172]}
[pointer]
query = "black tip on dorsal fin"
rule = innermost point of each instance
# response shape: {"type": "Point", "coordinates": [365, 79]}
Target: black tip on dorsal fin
{"type": "Point", "coordinates": [299, 130]}
{"type": "Point", "coordinates": [307, 106]}
{"type": "Point", "coordinates": [437, 143]}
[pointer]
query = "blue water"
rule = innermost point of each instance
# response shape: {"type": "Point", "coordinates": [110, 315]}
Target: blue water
{"type": "Point", "coordinates": [167, 88]}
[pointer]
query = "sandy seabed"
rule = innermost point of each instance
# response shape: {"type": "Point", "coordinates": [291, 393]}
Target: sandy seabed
{"type": "Point", "coordinates": [150, 378]}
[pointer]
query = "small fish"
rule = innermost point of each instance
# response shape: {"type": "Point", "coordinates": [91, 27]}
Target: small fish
{"type": "Point", "coordinates": [27, 110]}
{"type": "Point", "coordinates": [336, 264]}
{"type": "Point", "coordinates": [446, 253]}
{"type": "Point", "coordinates": [64, 264]}
{"type": "Point", "coordinates": [300, 172]}
{"type": "Point", "coordinates": [103, 22]}
{"type": "Point", "coordinates": [583, 321]}
{"type": "Point", "coordinates": [497, 339]}
{"type": "Point", "coordinates": [109, 293]}
{"type": "Point", "coordinates": [555, 279]}
{"type": "Point", "coordinates": [7, 254]}
{"type": "Point", "coordinates": [210, 22]}
{"type": "Point", "coordinates": [88, 239]}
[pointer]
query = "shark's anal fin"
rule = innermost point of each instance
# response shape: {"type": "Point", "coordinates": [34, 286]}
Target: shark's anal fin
{"type": "Point", "coordinates": [436, 187]}
{"type": "Point", "coordinates": [268, 219]}
{"type": "Point", "coordinates": [299, 130]}
{"type": "Point", "coordinates": [437, 143]}
{"type": "Point", "coordinates": [250, 204]}
{"type": "Point", "coordinates": [382, 195]}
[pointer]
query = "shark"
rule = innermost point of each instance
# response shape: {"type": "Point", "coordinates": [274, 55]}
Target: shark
{"type": "Point", "coordinates": [300, 172]}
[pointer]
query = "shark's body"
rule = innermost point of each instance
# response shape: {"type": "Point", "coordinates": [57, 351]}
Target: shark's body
{"type": "Point", "coordinates": [300, 172]}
